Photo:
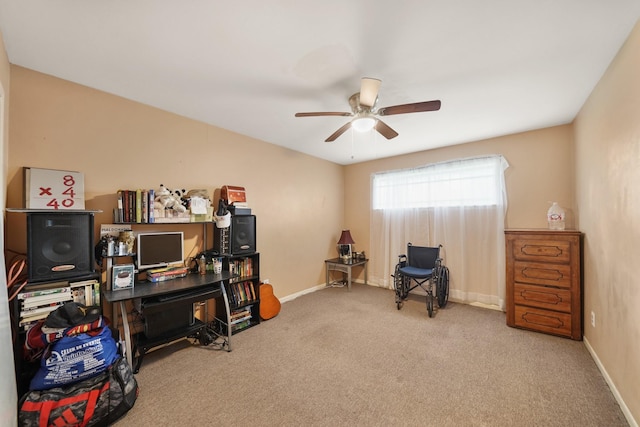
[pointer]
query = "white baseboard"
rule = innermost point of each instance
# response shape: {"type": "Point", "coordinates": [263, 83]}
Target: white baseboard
{"type": "Point", "coordinates": [623, 406]}
{"type": "Point", "coordinates": [312, 289]}
{"type": "Point", "coordinates": [303, 292]}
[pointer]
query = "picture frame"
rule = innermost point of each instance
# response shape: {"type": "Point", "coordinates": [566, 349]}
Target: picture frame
{"type": "Point", "coordinates": [122, 276]}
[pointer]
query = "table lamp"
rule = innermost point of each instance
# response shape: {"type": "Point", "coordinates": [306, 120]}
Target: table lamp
{"type": "Point", "coordinates": [344, 245]}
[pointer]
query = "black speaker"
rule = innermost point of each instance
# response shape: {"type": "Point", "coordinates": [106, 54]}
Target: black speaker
{"type": "Point", "coordinates": [237, 239]}
{"type": "Point", "coordinates": [242, 234]}
{"type": "Point", "coordinates": [59, 245]}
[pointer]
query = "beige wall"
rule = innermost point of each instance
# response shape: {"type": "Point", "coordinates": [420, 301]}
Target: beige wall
{"type": "Point", "coordinates": [540, 170]}
{"type": "Point", "coordinates": [121, 144]}
{"type": "Point", "coordinates": [608, 200]}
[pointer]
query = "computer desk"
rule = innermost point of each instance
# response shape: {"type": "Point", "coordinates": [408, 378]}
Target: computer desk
{"type": "Point", "coordinates": [211, 286]}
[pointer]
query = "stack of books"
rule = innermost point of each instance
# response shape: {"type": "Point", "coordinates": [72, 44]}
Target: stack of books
{"type": "Point", "coordinates": [167, 273]}
{"type": "Point", "coordinates": [240, 319]}
{"type": "Point", "coordinates": [241, 293]}
{"type": "Point", "coordinates": [135, 206]}
{"type": "Point", "coordinates": [37, 301]}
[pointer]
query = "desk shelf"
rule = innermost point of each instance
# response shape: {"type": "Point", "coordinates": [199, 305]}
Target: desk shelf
{"type": "Point", "coordinates": [144, 344]}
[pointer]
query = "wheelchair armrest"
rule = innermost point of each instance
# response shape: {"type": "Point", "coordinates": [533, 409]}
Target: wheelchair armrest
{"type": "Point", "coordinates": [402, 260]}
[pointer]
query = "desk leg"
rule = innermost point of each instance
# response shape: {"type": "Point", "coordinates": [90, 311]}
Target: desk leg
{"type": "Point", "coordinates": [326, 272]}
{"type": "Point", "coordinates": [228, 313]}
{"type": "Point", "coordinates": [366, 267]}
{"type": "Point", "coordinates": [127, 333]}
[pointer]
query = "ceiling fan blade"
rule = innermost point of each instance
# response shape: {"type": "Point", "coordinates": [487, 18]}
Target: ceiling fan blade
{"type": "Point", "coordinates": [339, 132]}
{"type": "Point", "coordinates": [417, 107]}
{"type": "Point", "coordinates": [325, 113]}
{"type": "Point", "coordinates": [369, 91]}
{"type": "Point", "coordinates": [385, 130]}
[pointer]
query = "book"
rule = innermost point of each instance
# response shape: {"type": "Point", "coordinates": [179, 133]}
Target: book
{"type": "Point", "coordinates": [132, 205]}
{"type": "Point", "coordinates": [165, 278]}
{"type": "Point", "coordinates": [150, 209]}
{"type": "Point", "coordinates": [169, 272]}
{"type": "Point", "coordinates": [138, 210]}
{"type": "Point", "coordinates": [88, 294]}
{"type": "Point", "coordinates": [31, 294]}
{"type": "Point", "coordinates": [47, 299]}
{"type": "Point", "coordinates": [39, 310]}
{"type": "Point", "coordinates": [144, 206]}
{"type": "Point", "coordinates": [96, 293]}
{"type": "Point", "coordinates": [120, 206]}
{"type": "Point", "coordinates": [33, 319]}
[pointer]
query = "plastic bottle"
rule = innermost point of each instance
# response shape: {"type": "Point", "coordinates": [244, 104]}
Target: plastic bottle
{"type": "Point", "coordinates": [555, 217]}
{"type": "Point", "coordinates": [202, 265]}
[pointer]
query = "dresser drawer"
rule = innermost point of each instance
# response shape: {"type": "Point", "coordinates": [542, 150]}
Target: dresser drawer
{"type": "Point", "coordinates": [539, 250]}
{"type": "Point", "coordinates": [542, 297]}
{"type": "Point", "coordinates": [552, 322]}
{"type": "Point", "coordinates": [542, 274]}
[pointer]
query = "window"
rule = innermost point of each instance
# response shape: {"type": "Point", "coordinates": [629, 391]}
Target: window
{"type": "Point", "coordinates": [464, 182]}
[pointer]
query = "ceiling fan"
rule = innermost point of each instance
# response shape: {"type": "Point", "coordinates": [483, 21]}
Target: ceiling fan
{"type": "Point", "coordinates": [365, 116]}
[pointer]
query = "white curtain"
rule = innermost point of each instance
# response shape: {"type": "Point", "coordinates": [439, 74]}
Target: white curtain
{"type": "Point", "coordinates": [472, 235]}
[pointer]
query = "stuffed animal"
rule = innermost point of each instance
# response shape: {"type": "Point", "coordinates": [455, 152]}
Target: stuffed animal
{"type": "Point", "coordinates": [166, 199]}
{"type": "Point", "coordinates": [181, 195]}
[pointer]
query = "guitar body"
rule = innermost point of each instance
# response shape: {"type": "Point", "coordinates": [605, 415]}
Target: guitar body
{"type": "Point", "coordinates": [269, 304]}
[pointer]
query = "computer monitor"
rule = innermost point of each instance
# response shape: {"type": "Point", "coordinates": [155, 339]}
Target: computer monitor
{"type": "Point", "coordinates": [160, 249]}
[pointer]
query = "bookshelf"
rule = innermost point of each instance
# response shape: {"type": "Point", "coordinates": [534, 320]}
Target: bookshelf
{"type": "Point", "coordinates": [243, 291]}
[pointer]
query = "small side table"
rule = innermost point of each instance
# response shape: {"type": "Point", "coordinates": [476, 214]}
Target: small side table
{"type": "Point", "coordinates": [338, 264]}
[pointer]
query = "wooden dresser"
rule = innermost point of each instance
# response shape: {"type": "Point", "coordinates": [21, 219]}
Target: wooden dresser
{"type": "Point", "coordinates": [544, 281]}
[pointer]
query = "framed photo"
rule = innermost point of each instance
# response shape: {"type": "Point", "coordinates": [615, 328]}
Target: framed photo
{"type": "Point", "coordinates": [122, 276]}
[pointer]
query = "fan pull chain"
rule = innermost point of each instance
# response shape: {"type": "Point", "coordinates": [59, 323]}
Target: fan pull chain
{"type": "Point", "coordinates": [352, 131]}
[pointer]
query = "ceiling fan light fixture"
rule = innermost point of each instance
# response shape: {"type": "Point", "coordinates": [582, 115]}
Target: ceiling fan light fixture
{"type": "Point", "coordinates": [363, 124]}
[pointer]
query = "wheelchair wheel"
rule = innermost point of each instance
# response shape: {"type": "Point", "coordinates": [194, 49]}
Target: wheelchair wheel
{"type": "Point", "coordinates": [398, 286]}
{"type": "Point", "coordinates": [430, 304]}
{"type": "Point", "coordinates": [442, 287]}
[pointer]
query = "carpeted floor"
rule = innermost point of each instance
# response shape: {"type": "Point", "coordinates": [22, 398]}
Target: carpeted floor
{"type": "Point", "coordinates": [341, 358]}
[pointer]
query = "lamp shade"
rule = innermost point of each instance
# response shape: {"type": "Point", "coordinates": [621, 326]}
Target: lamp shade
{"type": "Point", "coordinates": [345, 238]}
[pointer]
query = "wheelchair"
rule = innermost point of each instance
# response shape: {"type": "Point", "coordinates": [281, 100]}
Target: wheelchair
{"type": "Point", "coordinates": [423, 267]}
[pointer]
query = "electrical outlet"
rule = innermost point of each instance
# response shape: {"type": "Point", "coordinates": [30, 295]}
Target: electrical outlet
{"type": "Point", "coordinates": [265, 281]}
{"type": "Point", "coordinates": [593, 319]}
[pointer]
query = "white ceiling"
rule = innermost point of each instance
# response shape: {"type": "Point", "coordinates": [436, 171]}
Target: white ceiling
{"type": "Point", "coordinates": [498, 66]}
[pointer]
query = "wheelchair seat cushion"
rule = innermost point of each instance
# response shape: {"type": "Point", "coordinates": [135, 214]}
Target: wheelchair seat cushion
{"type": "Point", "coordinates": [417, 273]}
